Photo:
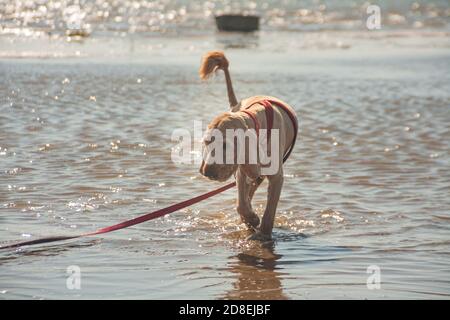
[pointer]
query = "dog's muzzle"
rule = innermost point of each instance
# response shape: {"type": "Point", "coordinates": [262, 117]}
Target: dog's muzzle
{"type": "Point", "coordinates": [207, 171]}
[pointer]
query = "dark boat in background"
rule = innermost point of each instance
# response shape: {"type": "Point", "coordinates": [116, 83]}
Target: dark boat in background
{"type": "Point", "coordinates": [236, 22]}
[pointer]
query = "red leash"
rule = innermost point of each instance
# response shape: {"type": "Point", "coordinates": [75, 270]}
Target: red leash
{"type": "Point", "coordinates": [177, 206]}
{"type": "Point", "coordinates": [128, 223]}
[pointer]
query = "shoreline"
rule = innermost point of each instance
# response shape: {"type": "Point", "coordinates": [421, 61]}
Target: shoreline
{"type": "Point", "coordinates": [173, 50]}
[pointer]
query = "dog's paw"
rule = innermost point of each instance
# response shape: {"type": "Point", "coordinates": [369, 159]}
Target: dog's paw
{"type": "Point", "coordinates": [259, 236]}
{"type": "Point", "coordinates": [252, 222]}
{"type": "Point", "coordinates": [250, 218]}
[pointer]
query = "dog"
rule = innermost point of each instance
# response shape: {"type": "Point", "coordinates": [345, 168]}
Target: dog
{"type": "Point", "coordinates": [267, 113]}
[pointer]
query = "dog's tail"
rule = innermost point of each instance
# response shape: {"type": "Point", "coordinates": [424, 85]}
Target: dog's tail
{"type": "Point", "coordinates": [211, 62]}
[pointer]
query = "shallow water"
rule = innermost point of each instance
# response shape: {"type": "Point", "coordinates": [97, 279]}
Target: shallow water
{"type": "Point", "coordinates": [86, 140]}
{"type": "Point", "coordinates": [183, 17]}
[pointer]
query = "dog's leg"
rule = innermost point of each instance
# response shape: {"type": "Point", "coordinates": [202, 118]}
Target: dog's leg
{"type": "Point", "coordinates": [273, 196]}
{"type": "Point", "coordinates": [253, 187]}
{"type": "Point", "coordinates": [244, 207]}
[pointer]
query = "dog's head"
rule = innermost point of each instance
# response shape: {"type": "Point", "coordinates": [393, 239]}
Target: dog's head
{"type": "Point", "coordinates": [210, 167]}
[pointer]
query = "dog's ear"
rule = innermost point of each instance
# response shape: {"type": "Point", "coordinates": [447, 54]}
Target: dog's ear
{"type": "Point", "coordinates": [236, 121]}
{"type": "Point", "coordinates": [228, 120]}
{"type": "Point", "coordinates": [217, 121]}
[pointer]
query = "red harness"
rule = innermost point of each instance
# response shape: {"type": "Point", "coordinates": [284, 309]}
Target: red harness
{"type": "Point", "coordinates": [268, 108]}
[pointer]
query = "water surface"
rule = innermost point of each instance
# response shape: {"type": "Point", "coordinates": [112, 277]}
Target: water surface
{"type": "Point", "coordinates": [85, 142]}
